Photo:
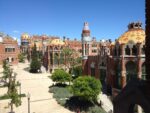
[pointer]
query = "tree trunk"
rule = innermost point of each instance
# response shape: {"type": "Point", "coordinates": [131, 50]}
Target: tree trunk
{"type": "Point", "coordinates": [147, 52]}
{"type": "Point", "coordinates": [11, 105]}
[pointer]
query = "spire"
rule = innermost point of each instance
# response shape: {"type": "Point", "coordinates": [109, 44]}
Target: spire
{"type": "Point", "coordinates": [86, 30]}
{"type": "Point", "coordinates": [86, 26]}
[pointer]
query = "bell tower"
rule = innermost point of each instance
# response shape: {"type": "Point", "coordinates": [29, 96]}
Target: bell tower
{"type": "Point", "coordinates": [86, 45]}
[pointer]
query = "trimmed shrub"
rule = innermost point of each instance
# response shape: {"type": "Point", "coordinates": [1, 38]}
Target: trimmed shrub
{"type": "Point", "coordinates": [86, 88]}
{"type": "Point", "coordinates": [60, 76]}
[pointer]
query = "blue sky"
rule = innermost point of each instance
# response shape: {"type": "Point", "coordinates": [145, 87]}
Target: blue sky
{"type": "Point", "coordinates": [107, 18]}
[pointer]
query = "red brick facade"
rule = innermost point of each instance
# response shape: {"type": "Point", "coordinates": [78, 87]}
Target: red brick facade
{"type": "Point", "coordinates": [117, 63]}
{"type": "Point", "coordinates": [9, 50]}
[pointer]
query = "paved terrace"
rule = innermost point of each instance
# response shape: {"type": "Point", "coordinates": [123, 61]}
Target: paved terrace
{"type": "Point", "coordinates": [38, 86]}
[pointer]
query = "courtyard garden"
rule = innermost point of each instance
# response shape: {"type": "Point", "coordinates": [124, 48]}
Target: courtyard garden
{"type": "Point", "coordinates": [79, 94]}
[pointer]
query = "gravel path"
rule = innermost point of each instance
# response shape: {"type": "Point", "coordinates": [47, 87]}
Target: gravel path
{"type": "Point", "coordinates": [38, 86]}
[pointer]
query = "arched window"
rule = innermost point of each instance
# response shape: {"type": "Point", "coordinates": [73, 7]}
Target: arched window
{"type": "Point", "coordinates": [135, 108]}
{"type": "Point", "coordinates": [12, 59]}
{"type": "Point", "coordinates": [56, 58]}
{"type": "Point", "coordinates": [118, 76]}
{"type": "Point", "coordinates": [61, 58]}
{"type": "Point", "coordinates": [134, 50]}
{"type": "Point", "coordinates": [92, 71]}
{"type": "Point", "coordinates": [131, 70]}
{"type": "Point", "coordinates": [143, 49]}
{"type": "Point", "coordinates": [127, 50]}
{"type": "Point", "coordinates": [115, 51]}
{"type": "Point", "coordinates": [51, 58]}
{"type": "Point", "coordinates": [119, 51]}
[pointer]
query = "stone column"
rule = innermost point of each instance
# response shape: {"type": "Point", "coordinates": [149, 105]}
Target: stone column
{"type": "Point", "coordinates": [83, 49]}
{"type": "Point", "coordinates": [122, 49]}
{"type": "Point", "coordinates": [139, 61]}
{"type": "Point", "coordinates": [123, 73]}
{"type": "Point", "coordinates": [123, 70]}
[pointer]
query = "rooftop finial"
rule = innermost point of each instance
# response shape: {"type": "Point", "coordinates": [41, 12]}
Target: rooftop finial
{"type": "Point", "coordinates": [135, 25]}
{"type": "Point", "coordinates": [86, 26]}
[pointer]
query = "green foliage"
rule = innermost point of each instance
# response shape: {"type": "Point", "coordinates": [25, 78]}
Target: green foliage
{"type": "Point", "coordinates": [79, 60]}
{"type": "Point", "coordinates": [77, 71]}
{"type": "Point", "coordinates": [35, 64]}
{"type": "Point", "coordinates": [61, 94]}
{"type": "Point", "coordinates": [34, 52]}
{"type": "Point", "coordinates": [6, 70]}
{"type": "Point", "coordinates": [65, 98]}
{"type": "Point", "coordinates": [60, 76]}
{"type": "Point", "coordinates": [6, 96]}
{"type": "Point", "coordinates": [67, 52]}
{"type": "Point", "coordinates": [21, 57]}
{"type": "Point", "coordinates": [86, 88]}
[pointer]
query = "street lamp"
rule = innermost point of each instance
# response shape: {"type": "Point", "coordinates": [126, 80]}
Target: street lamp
{"type": "Point", "coordinates": [28, 96]}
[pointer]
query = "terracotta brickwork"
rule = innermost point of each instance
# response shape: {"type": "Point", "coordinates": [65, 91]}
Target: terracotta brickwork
{"type": "Point", "coordinates": [119, 61]}
{"type": "Point", "coordinates": [9, 50]}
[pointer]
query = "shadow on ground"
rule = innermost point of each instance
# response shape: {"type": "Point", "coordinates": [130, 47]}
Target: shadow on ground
{"type": "Point", "coordinates": [27, 69]}
{"type": "Point", "coordinates": [75, 103]}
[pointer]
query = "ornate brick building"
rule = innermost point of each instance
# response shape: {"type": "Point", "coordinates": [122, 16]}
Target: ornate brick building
{"type": "Point", "coordinates": [9, 49]}
{"type": "Point", "coordinates": [50, 48]}
{"type": "Point", "coordinates": [117, 63]}
{"type": "Point", "coordinates": [89, 51]}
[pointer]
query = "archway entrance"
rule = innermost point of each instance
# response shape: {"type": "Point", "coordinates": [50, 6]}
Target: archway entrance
{"type": "Point", "coordinates": [135, 108]}
{"type": "Point", "coordinates": [131, 70]}
{"type": "Point", "coordinates": [103, 81]}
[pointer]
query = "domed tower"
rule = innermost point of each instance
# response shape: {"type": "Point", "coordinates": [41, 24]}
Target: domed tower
{"type": "Point", "coordinates": [86, 43]}
{"type": "Point", "coordinates": [25, 40]}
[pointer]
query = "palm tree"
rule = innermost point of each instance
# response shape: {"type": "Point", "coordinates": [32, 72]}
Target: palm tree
{"type": "Point", "coordinates": [147, 52]}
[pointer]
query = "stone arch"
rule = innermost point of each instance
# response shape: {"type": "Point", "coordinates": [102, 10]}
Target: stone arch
{"type": "Point", "coordinates": [115, 51]}
{"type": "Point", "coordinates": [127, 50]}
{"type": "Point", "coordinates": [56, 48]}
{"type": "Point", "coordinates": [130, 96]}
{"type": "Point", "coordinates": [131, 70]}
{"type": "Point", "coordinates": [92, 69]}
{"type": "Point", "coordinates": [135, 108]}
{"type": "Point", "coordinates": [61, 58]}
{"type": "Point", "coordinates": [143, 49]}
{"type": "Point", "coordinates": [134, 50]}
{"type": "Point", "coordinates": [56, 58]}
{"type": "Point", "coordinates": [119, 50]}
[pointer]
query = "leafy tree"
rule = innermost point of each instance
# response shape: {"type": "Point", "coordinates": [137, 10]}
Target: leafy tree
{"type": "Point", "coordinates": [77, 71]}
{"type": "Point", "coordinates": [13, 93]}
{"type": "Point", "coordinates": [35, 62]}
{"type": "Point", "coordinates": [86, 88]}
{"type": "Point", "coordinates": [68, 56]}
{"type": "Point", "coordinates": [6, 70]}
{"type": "Point", "coordinates": [21, 57]}
{"type": "Point", "coordinates": [35, 66]}
{"type": "Point", "coordinates": [12, 87]}
{"type": "Point", "coordinates": [60, 76]}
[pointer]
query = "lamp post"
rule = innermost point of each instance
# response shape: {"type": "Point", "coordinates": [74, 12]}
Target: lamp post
{"type": "Point", "coordinates": [28, 96]}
